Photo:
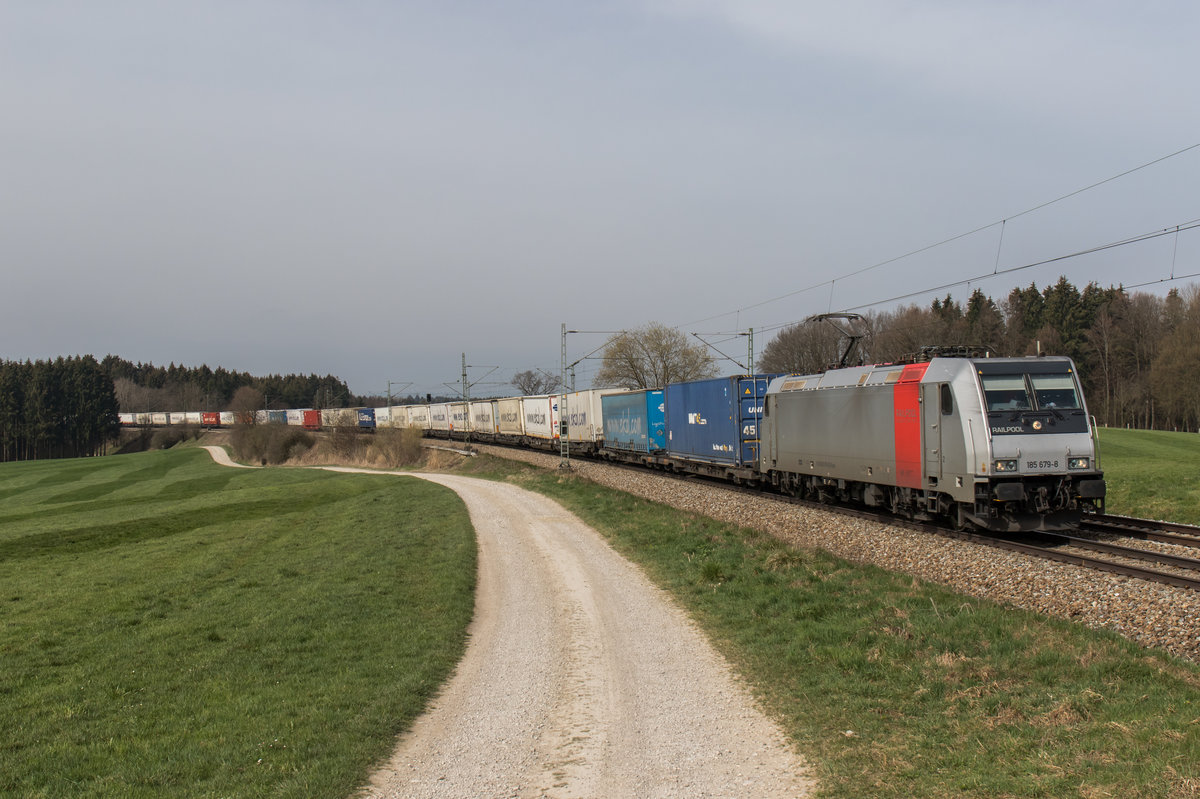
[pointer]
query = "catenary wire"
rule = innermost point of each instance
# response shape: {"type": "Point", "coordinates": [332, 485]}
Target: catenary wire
{"type": "Point", "coordinates": [951, 239]}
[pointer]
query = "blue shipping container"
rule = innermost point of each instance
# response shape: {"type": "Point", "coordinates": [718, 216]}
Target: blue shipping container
{"type": "Point", "coordinates": [635, 421]}
{"type": "Point", "coordinates": [277, 417]}
{"type": "Point", "coordinates": [716, 420]}
{"type": "Point", "coordinates": [366, 417]}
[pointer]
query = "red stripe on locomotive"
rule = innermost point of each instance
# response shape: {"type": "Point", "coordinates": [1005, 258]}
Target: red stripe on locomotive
{"type": "Point", "coordinates": [906, 406]}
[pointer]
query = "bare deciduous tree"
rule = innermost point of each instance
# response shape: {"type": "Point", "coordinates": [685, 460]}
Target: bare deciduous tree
{"type": "Point", "coordinates": [801, 349]}
{"type": "Point", "coordinates": [246, 402]}
{"type": "Point", "coordinates": [532, 382]}
{"type": "Point", "coordinates": [652, 356]}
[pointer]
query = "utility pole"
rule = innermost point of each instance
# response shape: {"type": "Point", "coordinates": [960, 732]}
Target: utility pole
{"type": "Point", "coordinates": [564, 444]}
{"type": "Point", "coordinates": [466, 401]}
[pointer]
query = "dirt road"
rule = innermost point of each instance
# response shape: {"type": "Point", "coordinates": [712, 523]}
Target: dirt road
{"type": "Point", "coordinates": [581, 679]}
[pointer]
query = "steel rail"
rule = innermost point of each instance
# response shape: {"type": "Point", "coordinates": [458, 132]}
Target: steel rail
{"type": "Point", "coordinates": [1184, 535]}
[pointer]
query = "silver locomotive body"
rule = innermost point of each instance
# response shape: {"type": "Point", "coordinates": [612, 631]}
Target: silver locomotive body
{"type": "Point", "coordinates": [1002, 443]}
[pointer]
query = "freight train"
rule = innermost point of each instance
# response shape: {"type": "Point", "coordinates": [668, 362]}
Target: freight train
{"type": "Point", "coordinates": [1004, 444]}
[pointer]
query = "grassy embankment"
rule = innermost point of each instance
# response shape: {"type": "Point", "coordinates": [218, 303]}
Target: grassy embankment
{"type": "Point", "coordinates": [169, 627]}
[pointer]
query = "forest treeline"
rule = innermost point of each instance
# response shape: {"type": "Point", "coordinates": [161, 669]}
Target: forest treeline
{"type": "Point", "coordinates": [1138, 354]}
{"type": "Point", "coordinates": [69, 407]}
{"type": "Point", "coordinates": [65, 408]}
{"type": "Point", "coordinates": [144, 387]}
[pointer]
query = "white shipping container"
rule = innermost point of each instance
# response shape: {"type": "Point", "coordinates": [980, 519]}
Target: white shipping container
{"type": "Point", "coordinates": [339, 417]}
{"type": "Point", "coordinates": [193, 417]}
{"type": "Point", "coordinates": [483, 417]}
{"type": "Point", "coordinates": [418, 416]}
{"type": "Point", "coordinates": [160, 418]}
{"type": "Point", "coordinates": [383, 417]}
{"type": "Point", "coordinates": [460, 419]}
{"type": "Point", "coordinates": [584, 422]}
{"type": "Point", "coordinates": [295, 416]}
{"type": "Point", "coordinates": [439, 417]}
{"type": "Point", "coordinates": [540, 415]}
{"type": "Point", "coordinates": [509, 419]}
{"type": "Point", "coordinates": [228, 418]}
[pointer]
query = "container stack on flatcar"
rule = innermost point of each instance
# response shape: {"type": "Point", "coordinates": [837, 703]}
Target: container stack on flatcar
{"type": "Point", "coordinates": [635, 424]}
{"type": "Point", "coordinates": [712, 425]}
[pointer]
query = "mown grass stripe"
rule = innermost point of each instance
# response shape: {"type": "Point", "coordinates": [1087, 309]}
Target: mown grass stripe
{"type": "Point", "coordinates": [274, 643]}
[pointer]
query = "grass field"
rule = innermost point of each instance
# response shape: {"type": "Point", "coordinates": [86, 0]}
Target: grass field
{"type": "Point", "coordinates": [1152, 474]}
{"type": "Point", "coordinates": [169, 627]}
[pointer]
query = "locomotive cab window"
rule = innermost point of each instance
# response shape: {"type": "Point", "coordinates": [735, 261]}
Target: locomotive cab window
{"type": "Point", "coordinates": [1055, 391]}
{"type": "Point", "coordinates": [947, 400]}
{"type": "Point", "coordinates": [1006, 393]}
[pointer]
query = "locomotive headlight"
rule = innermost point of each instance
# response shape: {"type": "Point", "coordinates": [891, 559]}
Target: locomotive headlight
{"type": "Point", "coordinates": [1078, 463]}
{"type": "Point", "coordinates": [1005, 466]}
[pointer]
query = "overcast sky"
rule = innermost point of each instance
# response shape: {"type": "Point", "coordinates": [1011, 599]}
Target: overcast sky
{"type": "Point", "coordinates": [370, 189]}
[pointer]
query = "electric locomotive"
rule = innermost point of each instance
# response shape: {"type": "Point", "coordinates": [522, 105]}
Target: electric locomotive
{"type": "Point", "coordinates": [1005, 444]}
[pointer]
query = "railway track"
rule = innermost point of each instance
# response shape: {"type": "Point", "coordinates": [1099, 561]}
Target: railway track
{"type": "Point", "coordinates": [1184, 535]}
{"type": "Point", "coordinates": [1137, 563]}
{"type": "Point", "coordinates": [1142, 564]}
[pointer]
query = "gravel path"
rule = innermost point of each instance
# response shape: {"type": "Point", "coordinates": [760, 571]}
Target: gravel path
{"type": "Point", "coordinates": [581, 679]}
{"type": "Point", "coordinates": [1149, 613]}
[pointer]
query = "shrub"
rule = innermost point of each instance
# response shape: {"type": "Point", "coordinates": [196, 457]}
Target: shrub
{"type": "Point", "coordinates": [269, 443]}
{"type": "Point", "coordinates": [346, 440]}
{"type": "Point", "coordinates": [167, 437]}
{"type": "Point", "coordinates": [398, 446]}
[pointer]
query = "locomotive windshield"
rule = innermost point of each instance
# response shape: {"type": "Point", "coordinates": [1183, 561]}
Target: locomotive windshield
{"type": "Point", "coordinates": [1030, 392]}
{"type": "Point", "coordinates": [1039, 401]}
{"type": "Point", "coordinates": [1055, 391]}
{"type": "Point", "coordinates": [1006, 393]}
